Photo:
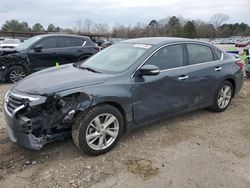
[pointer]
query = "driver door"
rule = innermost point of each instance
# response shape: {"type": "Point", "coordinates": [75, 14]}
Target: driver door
{"type": "Point", "coordinates": [166, 93]}
{"type": "Point", "coordinates": [46, 57]}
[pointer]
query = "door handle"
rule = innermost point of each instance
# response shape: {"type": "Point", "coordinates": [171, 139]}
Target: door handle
{"type": "Point", "coordinates": [183, 78]}
{"type": "Point", "coordinates": [218, 68]}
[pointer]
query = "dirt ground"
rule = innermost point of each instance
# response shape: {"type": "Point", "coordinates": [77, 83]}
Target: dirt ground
{"type": "Point", "coordinates": [199, 149]}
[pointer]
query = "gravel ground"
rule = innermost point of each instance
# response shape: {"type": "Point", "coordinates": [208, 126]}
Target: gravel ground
{"type": "Point", "coordinates": [198, 149]}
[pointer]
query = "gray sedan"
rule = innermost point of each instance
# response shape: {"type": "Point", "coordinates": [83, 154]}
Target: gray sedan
{"type": "Point", "coordinates": [127, 85]}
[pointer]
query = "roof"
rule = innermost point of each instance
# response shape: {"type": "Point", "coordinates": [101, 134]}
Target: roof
{"type": "Point", "coordinates": [61, 35]}
{"type": "Point", "coordinates": [156, 40]}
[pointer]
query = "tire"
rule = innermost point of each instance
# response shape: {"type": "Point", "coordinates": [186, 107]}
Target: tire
{"type": "Point", "coordinates": [218, 104]}
{"type": "Point", "coordinates": [87, 125]}
{"type": "Point", "coordinates": [15, 74]}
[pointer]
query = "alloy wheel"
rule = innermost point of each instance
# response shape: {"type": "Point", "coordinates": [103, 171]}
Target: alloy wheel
{"type": "Point", "coordinates": [224, 96]}
{"type": "Point", "coordinates": [102, 131]}
{"type": "Point", "coordinates": [16, 75]}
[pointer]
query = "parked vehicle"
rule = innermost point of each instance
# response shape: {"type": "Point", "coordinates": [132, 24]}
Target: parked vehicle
{"type": "Point", "coordinates": [243, 44]}
{"type": "Point", "coordinates": [106, 44]}
{"type": "Point", "coordinates": [246, 51]}
{"type": "Point", "coordinates": [1, 40]}
{"type": "Point", "coordinates": [124, 86]}
{"type": "Point", "coordinates": [10, 43]}
{"type": "Point", "coordinates": [41, 52]}
{"type": "Point", "coordinates": [99, 42]}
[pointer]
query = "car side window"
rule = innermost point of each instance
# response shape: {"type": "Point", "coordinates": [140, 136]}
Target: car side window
{"type": "Point", "coordinates": [79, 42]}
{"type": "Point", "coordinates": [67, 42]}
{"type": "Point", "coordinates": [47, 43]}
{"type": "Point", "coordinates": [217, 54]}
{"type": "Point", "coordinates": [167, 57]}
{"type": "Point", "coordinates": [199, 53]}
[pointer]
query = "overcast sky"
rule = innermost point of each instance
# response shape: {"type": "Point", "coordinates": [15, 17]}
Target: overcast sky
{"type": "Point", "coordinates": [65, 13]}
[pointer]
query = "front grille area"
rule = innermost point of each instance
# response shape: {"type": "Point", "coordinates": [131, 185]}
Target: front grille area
{"type": "Point", "coordinates": [14, 102]}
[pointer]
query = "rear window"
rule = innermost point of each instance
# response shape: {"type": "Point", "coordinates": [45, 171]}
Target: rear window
{"type": "Point", "coordinates": [79, 42]}
{"type": "Point", "coordinates": [68, 42]}
{"type": "Point", "coordinates": [199, 54]}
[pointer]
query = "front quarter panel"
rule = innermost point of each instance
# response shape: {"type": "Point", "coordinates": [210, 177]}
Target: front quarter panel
{"type": "Point", "coordinates": [118, 94]}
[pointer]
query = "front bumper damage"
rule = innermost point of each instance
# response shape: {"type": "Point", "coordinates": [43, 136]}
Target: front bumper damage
{"type": "Point", "coordinates": [32, 123]}
{"type": "Point", "coordinates": [15, 125]}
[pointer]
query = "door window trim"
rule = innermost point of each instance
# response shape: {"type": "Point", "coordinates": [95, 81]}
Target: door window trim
{"type": "Point", "coordinates": [85, 41]}
{"type": "Point", "coordinates": [212, 51]}
{"type": "Point", "coordinates": [57, 38]}
{"type": "Point", "coordinates": [185, 55]}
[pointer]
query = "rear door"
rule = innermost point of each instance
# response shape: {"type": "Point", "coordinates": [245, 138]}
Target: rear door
{"type": "Point", "coordinates": [46, 57]}
{"type": "Point", "coordinates": [204, 67]}
{"type": "Point", "coordinates": [166, 93]}
{"type": "Point", "coordinates": [70, 49]}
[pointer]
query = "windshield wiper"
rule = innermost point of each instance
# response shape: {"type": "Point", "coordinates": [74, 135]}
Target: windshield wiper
{"type": "Point", "coordinates": [89, 69]}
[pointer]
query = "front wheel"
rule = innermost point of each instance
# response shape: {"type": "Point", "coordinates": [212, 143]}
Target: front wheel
{"type": "Point", "coordinates": [223, 97]}
{"type": "Point", "coordinates": [97, 131]}
{"type": "Point", "coordinates": [15, 74]}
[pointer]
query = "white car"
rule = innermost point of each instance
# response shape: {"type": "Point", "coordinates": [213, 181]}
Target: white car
{"type": "Point", "coordinates": [10, 43]}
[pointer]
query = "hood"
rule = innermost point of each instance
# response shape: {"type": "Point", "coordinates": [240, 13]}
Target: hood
{"type": "Point", "coordinates": [5, 51]}
{"type": "Point", "coordinates": [55, 79]}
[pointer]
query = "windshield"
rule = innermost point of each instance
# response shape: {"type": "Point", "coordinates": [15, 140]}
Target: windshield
{"type": "Point", "coordinates": [27, 43]}
{"type": "Point", "coordinates": [116, 58]}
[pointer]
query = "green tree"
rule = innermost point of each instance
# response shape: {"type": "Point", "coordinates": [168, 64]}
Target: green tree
{"type": "Point", "coordinates": [174, 21]}
{"type": "Point", "coordinates": [51, 28]}
{"type": "Point", "coordinates": [15, 26]}
{"type": "Point", "coordinates": [37, 27]}
{"type": "Point", "coordinates": [189, 30]}
{"type": "Point", "coordinates": [175, 28]}
{"type": "Point", "coordinates": [153, 26]}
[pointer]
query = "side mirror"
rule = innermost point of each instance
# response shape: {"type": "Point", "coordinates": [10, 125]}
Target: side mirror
{"type": "Point", "coordinates": [38, 48]}
{"type": "Point", "coordinates": [149, 70]}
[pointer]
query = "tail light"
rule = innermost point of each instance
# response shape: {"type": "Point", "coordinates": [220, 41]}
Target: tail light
{"type": "Point", "coordinates": [98, 48]}
{"type": "Point", "coordinates": [240, 64]}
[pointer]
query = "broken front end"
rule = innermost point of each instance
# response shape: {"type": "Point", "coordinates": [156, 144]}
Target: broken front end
{"type": "Point", "coordinates": [32, 120]}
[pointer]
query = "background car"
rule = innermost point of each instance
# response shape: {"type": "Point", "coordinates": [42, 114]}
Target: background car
{"type": "Point", "coordinates": [99, 42]}
{"type": "Point", "coordinates": [246, 51]}
{"type": "Point", "coordinates": [1, 40]}
{"type": "Point", "coordinates": [243, 44]}
{"type": "Point", "coordinates": [107, 43]}
{"type": "Point", "coordinates": [41, 52]}
{"type": "Point", "coordinates": [10, 43]}
{"type": "Point", "coordinates": [125, 86]}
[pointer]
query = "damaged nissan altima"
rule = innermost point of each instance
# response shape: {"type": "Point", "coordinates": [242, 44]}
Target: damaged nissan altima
{"type": "Point", "coordinates": [127, 85]}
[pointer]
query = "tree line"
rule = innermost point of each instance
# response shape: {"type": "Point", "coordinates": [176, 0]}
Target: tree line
{"type": "Point", "coordinates": [180, 27]}
{"type": "Point", "coordinates": [16, 26]}
{"type": "Point", "coordinates": [175, 26]}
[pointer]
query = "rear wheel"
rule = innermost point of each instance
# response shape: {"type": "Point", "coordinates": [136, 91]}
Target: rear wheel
{"type": "Point", "coordinates": [97, 131]}
{"type": "Point", "coordinates": [223, 97]}
{"type": "Point", "coordinates": [15, 74]}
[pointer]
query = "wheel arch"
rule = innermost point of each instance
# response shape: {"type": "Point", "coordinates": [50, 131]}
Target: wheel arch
{"type": "Point", "coordinates": [18, 62]}
{"type": "Point", "coordinates": [121, 110]}
{"type": "Point", "coordinates": [232, 81]}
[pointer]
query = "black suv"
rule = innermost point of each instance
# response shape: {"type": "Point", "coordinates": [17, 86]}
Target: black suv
{"type": "Point", "coordinates": [41, 52]}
